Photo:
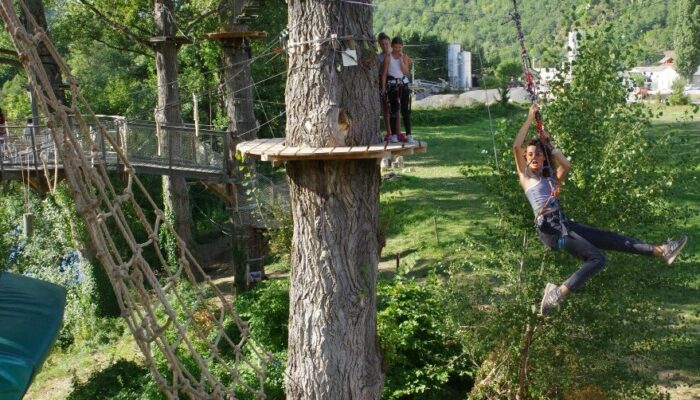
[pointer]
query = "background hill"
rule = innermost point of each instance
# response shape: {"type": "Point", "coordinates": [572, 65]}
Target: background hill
{"type": "Point", "coordinates": [645, 25]}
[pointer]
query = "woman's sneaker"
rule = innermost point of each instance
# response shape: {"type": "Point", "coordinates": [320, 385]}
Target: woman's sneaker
{"type": "Point", "coordinates": [410, 139]}
{"type": "Point", "coordinates": [672, 248]}
{"type": "Point", "coordinates": [391, 138]}
{"type": "Point", "coordinates": [402, 138]}
{"type": "Point", "coordinates": [552, 298]}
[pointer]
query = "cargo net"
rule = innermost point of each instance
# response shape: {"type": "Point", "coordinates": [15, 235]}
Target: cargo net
{"type": "Point", "coordinates": [193, 341]}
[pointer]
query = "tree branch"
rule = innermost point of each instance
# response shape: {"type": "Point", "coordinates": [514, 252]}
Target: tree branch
{"type": "Point", "coordinates": [8, 52]}
{"type": "Point", "coordinates": [111, 46]}
{"type": "Point", "coordinates": [115, 25]}
{"type": "Point", "coordinates": [10, 61]}
{"type": "Point", "coordinates": [199, 19]}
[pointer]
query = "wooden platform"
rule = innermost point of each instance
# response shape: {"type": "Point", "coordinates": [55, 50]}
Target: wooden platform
{"type": "Point", "coordinates": [235, 35]}
{"type": "Point", "coordinates": [276, 150]}
{"type": "Point", "coordinates": [179, 40]}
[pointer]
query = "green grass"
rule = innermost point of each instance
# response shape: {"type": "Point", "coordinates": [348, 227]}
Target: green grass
{"type": "Point", "coordinates": [433, 206]}
{"type": "Point", "coordinates": [435, 193]}
{"type": "Point", "coordinates": [61, 369]}
{"type": "Point", "coordinates": [678, 348]}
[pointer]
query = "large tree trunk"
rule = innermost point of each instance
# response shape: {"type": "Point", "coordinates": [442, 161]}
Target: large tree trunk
{"type": "Point", "coordinates": [36, 9]}
{"type": "Point", "coordinates": [238, 99]}
{"type": "Point", "coordinates": [333, 351]}
{"type": "Point", "coordinates": [175, 193]}
{"type": "Point", "coordinates": [238, 81]}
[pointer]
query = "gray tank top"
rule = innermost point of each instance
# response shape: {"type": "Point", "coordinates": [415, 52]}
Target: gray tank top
{"type": "Point", "coordinates": [540, 195]}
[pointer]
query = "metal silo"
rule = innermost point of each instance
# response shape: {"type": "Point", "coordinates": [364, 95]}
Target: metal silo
{"type": "Point", "coordinates": [465, 70]}
{"type": "Point", "coordinates": [453, 64]}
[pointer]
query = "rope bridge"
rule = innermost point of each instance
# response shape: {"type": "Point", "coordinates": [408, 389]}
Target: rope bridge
{"type": "Point", "coordinates": [192, 339]}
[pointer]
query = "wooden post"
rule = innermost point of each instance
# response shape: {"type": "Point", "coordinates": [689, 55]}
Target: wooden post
{"type": "Point", "coordinates": [437, 238]}
{"type": "Point", "coordinates": [28, 225]}
{"type": "Point", "coordinates": [195, 111]}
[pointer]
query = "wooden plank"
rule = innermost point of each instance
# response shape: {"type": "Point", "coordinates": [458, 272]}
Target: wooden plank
{"type": "Point", "coordinates": [353, 156]}
{"type": "Point", "coordinates": [245, 147]}
{"type": "Point", "coordinates": [262, 149]}
{"type": "Point", "coordinates": [272, 151]}
{"type": "Point", "coordinates": [306, 151]}
{"type": "Point", "coordinates": [256, 144]}
{"type": "Point", "coordinates": [290, 151]}
{"type": "Point", "coordinates": [235, 35]}
{"type": "Point", "coordinates": [341, 150]}
{"type": "Point", "coordinates": [323, 151]}
{"type": "Point", "coordinates": [403, 151]}
{"type": "Point", "coordinates": [359, 149]}
{"type": "Point", "coordinates": [329, 156]}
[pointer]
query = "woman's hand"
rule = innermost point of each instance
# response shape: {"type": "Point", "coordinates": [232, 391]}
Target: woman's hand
{"type": "Point", "coordinates": [533, 111]}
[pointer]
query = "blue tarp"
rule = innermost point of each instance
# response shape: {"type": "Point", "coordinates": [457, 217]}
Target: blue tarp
{"type": "Point", "coordinates": [31, 312]}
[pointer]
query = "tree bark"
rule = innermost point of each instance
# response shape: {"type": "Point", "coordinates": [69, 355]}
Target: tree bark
{"type": "Point", "coordinates": [242, 125]}
{"type": "Point", "coordinates": [175, 192]}
{"type": "Point", "coordinates": [36, 9]}
{"type": "Point", "coordinates": [238, 81]}
{"type": "Point", "coordinates": [333, 351]}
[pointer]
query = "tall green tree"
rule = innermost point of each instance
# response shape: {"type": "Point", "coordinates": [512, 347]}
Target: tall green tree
{"type": "Point", "coordinates": [616, 182]}
{"type": "Point", "coordinates": [687, 38]}
{"type": "Point", "coordinates": [507, 72]}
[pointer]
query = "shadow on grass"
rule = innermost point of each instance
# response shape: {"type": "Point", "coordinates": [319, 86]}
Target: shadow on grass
{"type": "Point", "coordinates": [121, 380]}
{"type": "Point", "coordinates": [412, 200]}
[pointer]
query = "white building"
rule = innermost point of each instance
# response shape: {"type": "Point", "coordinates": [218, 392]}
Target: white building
{"type": "Point", "coordinates": [658, 79]}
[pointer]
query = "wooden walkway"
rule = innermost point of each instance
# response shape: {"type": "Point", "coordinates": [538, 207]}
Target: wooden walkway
{"type": "Point", "coordinates": [190, 153]}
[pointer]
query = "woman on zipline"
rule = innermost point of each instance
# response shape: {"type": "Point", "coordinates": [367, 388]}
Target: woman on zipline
{"type": "Point", "coordinates": [557, 232]}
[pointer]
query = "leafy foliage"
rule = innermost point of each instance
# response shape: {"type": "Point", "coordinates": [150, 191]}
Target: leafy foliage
{"type": "Point", "coordinates": [646, 25]}
{"type": "Point", "coordinates": [423, 357]}
{"type": "Point", "coordinates": [678, 98]}
{"type": "Point", "coordinates": [616, 182]}
{"type": "Point", "coordinates": [615, 177]}
{"type": "Point", "coordinates": [507, 73]}
{"type": "Point", "coordinates": [687, 38]}
{"type": "Point", "coordinates": [50, 254]}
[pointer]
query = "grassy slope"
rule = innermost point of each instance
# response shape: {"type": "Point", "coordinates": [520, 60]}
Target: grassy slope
{"type": "Point", "coordinates": [678, 347]}
{"type": "Point", "coordinates": [436, 189]}
{"type": "Point", "coordinates": [435, 194]}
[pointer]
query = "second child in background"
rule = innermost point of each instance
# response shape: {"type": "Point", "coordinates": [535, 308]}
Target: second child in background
{"type": "Point", "coordinates": [385, 45]}
{"type": "Point", "coordinates": [395, 85]}
{"type": "Point", "coordinates": [3, 128]}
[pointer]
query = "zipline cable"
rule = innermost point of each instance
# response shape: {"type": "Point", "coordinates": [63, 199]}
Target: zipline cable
{"type": "Point", "coordinates": [488, 108]}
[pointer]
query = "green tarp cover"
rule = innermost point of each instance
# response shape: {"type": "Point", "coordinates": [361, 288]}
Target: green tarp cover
{"type": "Point", "coordinates": [31, 312]}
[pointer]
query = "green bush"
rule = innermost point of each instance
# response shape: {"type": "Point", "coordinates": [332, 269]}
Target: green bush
{"type": "Point", "coordinates": [619, 180]}
{"type": "Point", "coordinates": [678, 98]}
{"type": "Point", "coordinates": [51, 255]}
{"type": "Point", "coordinates": [423, 359]}
{"type": "Point", "coordinates": [266, 308]}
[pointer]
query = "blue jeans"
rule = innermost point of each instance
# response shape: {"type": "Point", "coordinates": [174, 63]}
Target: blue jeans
{"type": "Point", "coordinates": [585, 242]}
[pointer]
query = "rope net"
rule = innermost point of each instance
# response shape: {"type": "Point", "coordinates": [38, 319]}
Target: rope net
{"type": "Point", "coordinates": [192, 339]}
